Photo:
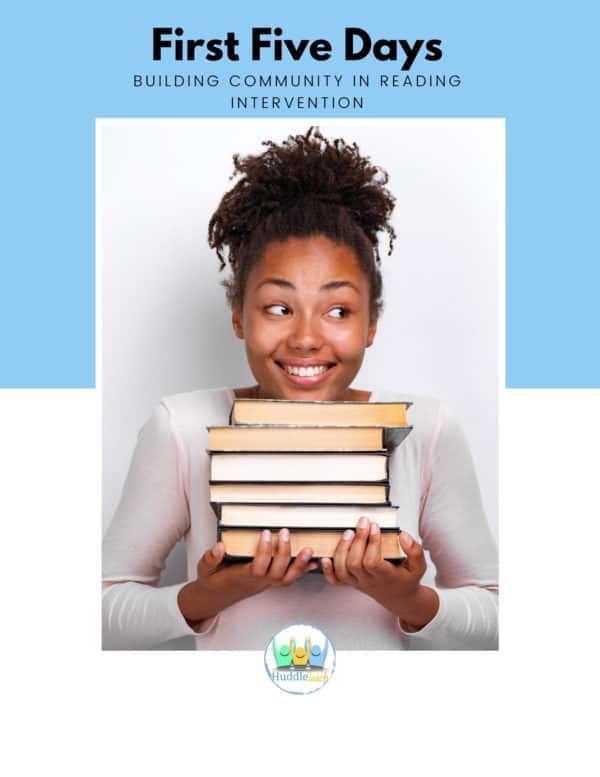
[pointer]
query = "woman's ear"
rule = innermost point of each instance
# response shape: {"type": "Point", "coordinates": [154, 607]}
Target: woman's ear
{"type": "Point", "coordinates": [372, 331]}
{"type": "Point", "coordinates": [236, 320]}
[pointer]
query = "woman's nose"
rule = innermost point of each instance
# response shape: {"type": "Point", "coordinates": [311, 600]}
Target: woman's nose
{"type": "Point", "coordinates": [305, 334]}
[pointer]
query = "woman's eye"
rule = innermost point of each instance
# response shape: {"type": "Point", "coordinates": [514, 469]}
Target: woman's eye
{"type": "Point", "coordinates": [277, 310]}
{"type": "Point", "coordinates": [338, 312]}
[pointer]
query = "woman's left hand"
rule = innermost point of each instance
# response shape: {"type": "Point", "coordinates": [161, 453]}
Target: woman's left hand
{"type": "Point", "coordinates": [358, 561]}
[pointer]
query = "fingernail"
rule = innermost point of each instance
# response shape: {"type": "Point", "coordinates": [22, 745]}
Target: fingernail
{"type": "Point", "coordinates": [306, 554]}
{"type": "Point", "coordinates": [215, 549]}
{"type": "Point", "coordinates": [374, 529]}
{"type": "Point", "coordinates": [348, 534]}
{"type": "Point", "coordinates": [363, 523]}
{"type": "Point", "coordinates": [407, 540]}
{"type": "Point", "coordinates": [285, 535]}
{"type": "Point", "coordinates": [266, 536]}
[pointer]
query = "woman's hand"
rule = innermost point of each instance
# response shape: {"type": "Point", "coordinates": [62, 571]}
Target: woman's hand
{"type": "Point", "coordinates": [358, 561]}
{"type": "Point", "coordinates": [218, 585]}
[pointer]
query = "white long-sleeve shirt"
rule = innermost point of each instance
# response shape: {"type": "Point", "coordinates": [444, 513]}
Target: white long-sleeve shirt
{"type": "Point", "coordinates": [165, 498]}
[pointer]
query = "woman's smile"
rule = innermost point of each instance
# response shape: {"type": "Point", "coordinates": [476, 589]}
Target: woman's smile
{"type": "Point", "coordinates": [309, 373]}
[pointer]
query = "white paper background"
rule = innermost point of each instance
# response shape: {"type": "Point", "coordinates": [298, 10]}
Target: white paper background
{"type": "Point", "coordinates": [516, 711]}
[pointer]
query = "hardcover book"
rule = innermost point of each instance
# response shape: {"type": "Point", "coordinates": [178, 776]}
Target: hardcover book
{"type": "Point", "coordinates": [241, 542]}
{"type": "Point", "coordinates": [323, 413]}
{"type": "Point", "coordinates": [304, 515]}
{"type": "Point", "coordinates": [285, 493]}
{"type": "Point", "coordinates": [307, 466]}
{"type": "Point", "coordinates": [293, 437]}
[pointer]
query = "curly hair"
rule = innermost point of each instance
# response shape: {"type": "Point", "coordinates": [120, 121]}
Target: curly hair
{"type": "Point", "coordinates": [306, 185]}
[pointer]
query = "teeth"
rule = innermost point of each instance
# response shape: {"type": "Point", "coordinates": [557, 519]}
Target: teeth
{"type": "Point", "coordinates": [304, 372]}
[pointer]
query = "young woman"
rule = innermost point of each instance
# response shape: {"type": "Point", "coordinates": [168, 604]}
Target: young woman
{"type": "Point", "coordinates": [299, 230]}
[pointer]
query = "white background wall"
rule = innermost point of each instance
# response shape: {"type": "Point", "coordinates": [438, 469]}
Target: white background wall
{"type": "Point", "coordinates": [165, 327]}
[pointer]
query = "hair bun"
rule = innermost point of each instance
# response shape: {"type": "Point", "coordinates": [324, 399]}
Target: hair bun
{"type": "Point", "coordinates": [304, 185]}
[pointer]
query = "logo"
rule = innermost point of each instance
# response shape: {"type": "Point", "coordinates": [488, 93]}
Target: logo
{"type": "Point", "coordinates": [300, 659]}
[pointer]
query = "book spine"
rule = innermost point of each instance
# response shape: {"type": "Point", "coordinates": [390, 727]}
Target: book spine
{"type": "Point", "coordinates": [393, 436]}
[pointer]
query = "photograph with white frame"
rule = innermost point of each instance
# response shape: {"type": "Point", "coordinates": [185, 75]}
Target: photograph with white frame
{"type": "Point", "coordinates": [165, 324]}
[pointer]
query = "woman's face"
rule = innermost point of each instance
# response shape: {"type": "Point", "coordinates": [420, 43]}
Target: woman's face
{"type": "Point", "coordinates": [305, 319]}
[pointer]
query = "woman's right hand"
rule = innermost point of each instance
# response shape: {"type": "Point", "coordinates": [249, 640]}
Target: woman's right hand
{"type": "Point", "coordinates": [219, 586]}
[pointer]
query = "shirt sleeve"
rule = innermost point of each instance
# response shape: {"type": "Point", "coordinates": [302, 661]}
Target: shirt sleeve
{"type": "Point", "coordinates": [454, 529]}
{"type": "Point", "coordinates": [152, 515]}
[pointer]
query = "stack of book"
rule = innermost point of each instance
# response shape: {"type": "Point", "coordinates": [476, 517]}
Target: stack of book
{"type": "Point", "coordinates": [312, 467]}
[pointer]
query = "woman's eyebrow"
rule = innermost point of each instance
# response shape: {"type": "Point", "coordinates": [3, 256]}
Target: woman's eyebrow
{"type": "Point", "coordinates": [330, 286]}
{"type": "Point", "coordinates": [338, 285]}
{"type": "Point", "coordinates": [277, 282]}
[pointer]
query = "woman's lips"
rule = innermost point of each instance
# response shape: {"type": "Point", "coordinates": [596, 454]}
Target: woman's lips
{"type": "Point", "coordinates": [306, 380]}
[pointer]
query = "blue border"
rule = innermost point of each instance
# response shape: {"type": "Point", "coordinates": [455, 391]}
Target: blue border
{"type": "Point", "coordinates": [533, 63]}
